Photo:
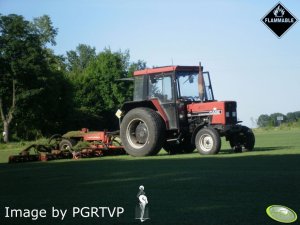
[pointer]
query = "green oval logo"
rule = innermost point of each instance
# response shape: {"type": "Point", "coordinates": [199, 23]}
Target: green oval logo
{"type": "Point", "coordinates": [281, 214]}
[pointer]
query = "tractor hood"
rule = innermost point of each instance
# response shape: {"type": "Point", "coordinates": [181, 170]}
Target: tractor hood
{"type": "Point", "coordinates": [221, 112]}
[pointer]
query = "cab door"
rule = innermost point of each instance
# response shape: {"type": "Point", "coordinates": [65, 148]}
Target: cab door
{"type": "Point", "coordinates": [161, 86]}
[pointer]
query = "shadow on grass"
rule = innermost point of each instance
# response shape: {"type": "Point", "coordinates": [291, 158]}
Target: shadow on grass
{"type": "Point", "coordinates": [258, 149]}
{"type": "Point", "coordinates": [196, 190]}
{"type": "Point", "coordinates": [262, 149]}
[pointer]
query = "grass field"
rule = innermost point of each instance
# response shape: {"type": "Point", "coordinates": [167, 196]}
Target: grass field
{"type": "Point", "coordinates": [190, 189]}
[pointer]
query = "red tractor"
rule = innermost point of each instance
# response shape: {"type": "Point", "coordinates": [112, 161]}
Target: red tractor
{"type": "Point", "coordinates": [174, 108]}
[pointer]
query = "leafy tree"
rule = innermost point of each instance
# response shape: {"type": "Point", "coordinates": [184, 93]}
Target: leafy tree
{"type": "Point", "coordinates": [42, 26]}
{"type": "Point", "coordinates": [29, 74]}
{"type": "Point", "coordinates": [79, 59]}
{"type": "Point", "coordinates": [98, 90]}
{"type": "Point", "coordinates": [291, 117]}
{"type": "Point", "coordinates": [41, 92]}
{"type": "Point", "coordinates": [17, 42]}
{"type": "Point", "coordinates": [263, 120]}
{"type": "Point", "coordinates": [297, 114]}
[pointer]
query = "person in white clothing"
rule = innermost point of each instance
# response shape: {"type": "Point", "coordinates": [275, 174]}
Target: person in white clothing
{"type": "Point", "coordinates": [143, 201]}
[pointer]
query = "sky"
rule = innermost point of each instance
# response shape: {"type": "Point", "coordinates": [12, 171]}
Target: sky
{"type": "Point", "coordinates": [246, 61]}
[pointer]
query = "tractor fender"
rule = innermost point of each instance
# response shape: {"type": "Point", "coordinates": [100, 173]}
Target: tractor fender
{"type": "Point", "coordinates": [196, 131]}
{"type": "Point", "coordinates": [127, 106]}
{"type": "Point", "coordinates": [233, 130]}
{"type": "Point", "coordinates": [152, 104]}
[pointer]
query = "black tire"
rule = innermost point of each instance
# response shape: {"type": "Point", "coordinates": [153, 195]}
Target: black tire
{"type": "Point", "coordinates": [172, 148]}
{"type": "Point", "coordinates": [142, 132]}
{"type": "Point", "coordinates": [176, 148]}
{"type": "Point", "coordinates": [250, 140]}
{"type": "Point", "coordinates": [67, 144]}
{"type": "Point", "coordinates": [208, 141]}
{"type": "Point", "coordinates": [243, 140]}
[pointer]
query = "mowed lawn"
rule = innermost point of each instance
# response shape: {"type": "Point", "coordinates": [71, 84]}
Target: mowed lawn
{"type": "Point", "coordinates": [227, 188]}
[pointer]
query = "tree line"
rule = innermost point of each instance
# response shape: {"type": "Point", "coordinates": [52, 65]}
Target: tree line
{"type": "Point", "coordinates": [277, 119]}
{"type": "Point", "coordinates": [42, 93]}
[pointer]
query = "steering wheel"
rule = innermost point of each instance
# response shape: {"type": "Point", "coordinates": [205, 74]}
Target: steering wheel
{"type": "Point", "coordinates": [188, 98]}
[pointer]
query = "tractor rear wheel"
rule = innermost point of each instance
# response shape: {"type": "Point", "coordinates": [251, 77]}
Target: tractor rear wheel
{"type": "Point", "coordinates": [243, 140]}
{"type": "Point", "coordinates": [208, 141]}
{"type": "Point", "coordinates": [142, 132]}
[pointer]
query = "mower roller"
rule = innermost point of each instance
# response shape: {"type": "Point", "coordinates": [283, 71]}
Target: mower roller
{"type": "Point", "coordinates": [74, 144]}
{"type": "Point", "coordinates": [38, 152]}
{"type": "Point", "coordinates": [87, 143]}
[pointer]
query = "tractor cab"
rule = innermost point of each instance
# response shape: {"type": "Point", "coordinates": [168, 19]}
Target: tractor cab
{"type": "Point", "coordinates": [171, 83]}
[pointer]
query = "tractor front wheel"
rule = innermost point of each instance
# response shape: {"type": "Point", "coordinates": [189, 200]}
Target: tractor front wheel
{"type": "Point", "coordinates": [242, 140]}
{"type": "Point", "coordinates": [208, 141]}
{"type": "Point", "coordinates": [142, 132]}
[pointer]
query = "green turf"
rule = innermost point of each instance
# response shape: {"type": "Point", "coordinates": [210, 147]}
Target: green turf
{"type": "Point", "coordinates": [191, 189]}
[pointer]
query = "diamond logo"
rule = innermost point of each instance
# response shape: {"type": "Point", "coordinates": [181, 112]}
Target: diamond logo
{"type": "Point", "coordinates": [279, 20]}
